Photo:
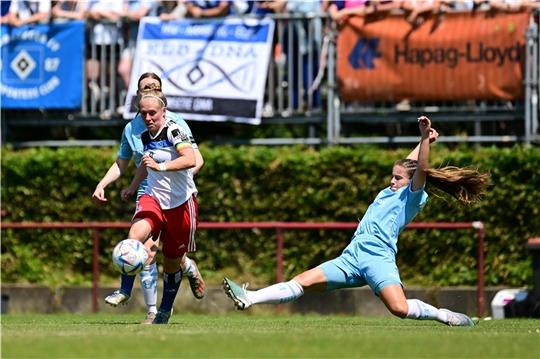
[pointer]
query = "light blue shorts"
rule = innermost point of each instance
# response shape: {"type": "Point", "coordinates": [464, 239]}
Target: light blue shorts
{"type": "Point", "coordinates": [364, 261]}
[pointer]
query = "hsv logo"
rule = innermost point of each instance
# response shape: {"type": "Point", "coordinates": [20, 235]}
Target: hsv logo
{"type": "Point", "coordinates": [363, 53]}
{"type": "Point", "coordinates": [23, 64]}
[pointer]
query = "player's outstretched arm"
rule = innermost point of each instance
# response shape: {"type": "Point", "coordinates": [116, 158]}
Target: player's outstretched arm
{"type": "Point", "coordinates": [139, 176]}
{"type": "Point", "coordinates": [115, 171]}
{"type": "Point", "coordinates": [419, 176]}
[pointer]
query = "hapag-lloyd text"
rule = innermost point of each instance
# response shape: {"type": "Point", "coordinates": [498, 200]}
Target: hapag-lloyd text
{"type": "Point", "coordinates": [472, 53]}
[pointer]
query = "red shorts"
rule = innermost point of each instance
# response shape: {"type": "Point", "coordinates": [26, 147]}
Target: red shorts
{"type": "Point", "coordinates": [177, 225]}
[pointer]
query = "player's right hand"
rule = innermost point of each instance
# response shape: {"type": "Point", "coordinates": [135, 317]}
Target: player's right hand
{"type": "Point", "coordinates": [99, 195]}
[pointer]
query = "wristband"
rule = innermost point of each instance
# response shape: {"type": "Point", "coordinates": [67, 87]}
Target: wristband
{"type": "Point", "coordinates": [162, 167]}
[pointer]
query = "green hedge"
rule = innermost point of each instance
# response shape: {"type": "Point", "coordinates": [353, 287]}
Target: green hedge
{"type": "Point", "coordinates": [273, 184]}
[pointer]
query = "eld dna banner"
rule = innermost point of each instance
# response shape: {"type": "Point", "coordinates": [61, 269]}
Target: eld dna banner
{"type": "Point", "coordinates": [42, 66]}
{"type": "Point", "coordinates": [211, 70]}
{"type": "Point", "coordinates": [464, 57]}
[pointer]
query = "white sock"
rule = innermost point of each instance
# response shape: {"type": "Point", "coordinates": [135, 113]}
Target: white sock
{"type": "Point", "coordinates": [422, 311]}
{"type": "Point", "coordinates": [188, 272]}
{"type": "Point", "coordinates": [278, 293]}
{"type": "Point", "coordinates": [149, 279]}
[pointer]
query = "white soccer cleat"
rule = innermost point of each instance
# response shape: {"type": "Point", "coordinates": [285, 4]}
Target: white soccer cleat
{"type": "Point", "coordinates": [457, 319]}
{"type": "Point", "coordinates": [117, 298]}
{"type": "Point", "coordinates": [196, 282]}
{"type": "Point", "coordinates": [149, 319]}
{"type": "Point", "coordinates": [238, 294]}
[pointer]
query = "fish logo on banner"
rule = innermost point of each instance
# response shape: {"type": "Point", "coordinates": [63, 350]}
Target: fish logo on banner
{"type": "Point", "coordinates": [211, 70]}
{"type": "Point", "coordinates": [41, 66]}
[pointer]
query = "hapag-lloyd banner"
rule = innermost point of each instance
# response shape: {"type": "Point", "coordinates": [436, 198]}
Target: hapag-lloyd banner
{"type": "Point", "coordinates": [211, 70]}
{"type": "Point", "coordinates": [463, 57]}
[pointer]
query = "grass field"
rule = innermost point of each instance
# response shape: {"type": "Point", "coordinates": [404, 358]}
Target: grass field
{"type": "Point", "coordinates": [241, 335]}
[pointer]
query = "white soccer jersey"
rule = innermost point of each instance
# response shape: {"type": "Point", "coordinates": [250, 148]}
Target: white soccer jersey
{"type": "Point", "coordinates": [170, 188]}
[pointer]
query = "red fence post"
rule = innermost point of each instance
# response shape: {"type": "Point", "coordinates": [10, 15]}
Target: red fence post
{"type": "Point", "coordinates": [480, 304]}
{"type": "Point", "coordinates": [95, 270]}
{"type": "Point", "coordinates": [279, 255]}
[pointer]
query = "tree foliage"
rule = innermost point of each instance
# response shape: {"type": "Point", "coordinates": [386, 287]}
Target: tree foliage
{"type": "Point", "coordinates": [273, 184]}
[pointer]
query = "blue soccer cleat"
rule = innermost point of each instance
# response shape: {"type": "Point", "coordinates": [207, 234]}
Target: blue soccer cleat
{"type": "Point", "coordinates": [238, 294]}
{"type": "Point", "coordinates": [162, 317]}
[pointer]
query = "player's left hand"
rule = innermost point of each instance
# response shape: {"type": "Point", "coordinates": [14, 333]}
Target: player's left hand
{"type": "Point", "coordinates": [126, 193]}
{"type": "Point", "coordinates": [424, 124]}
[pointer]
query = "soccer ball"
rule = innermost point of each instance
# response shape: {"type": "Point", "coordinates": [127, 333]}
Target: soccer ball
{"type": "Point", "coordinates": [129, 256]}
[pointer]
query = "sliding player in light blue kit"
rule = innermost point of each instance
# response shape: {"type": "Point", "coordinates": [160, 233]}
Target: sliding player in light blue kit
{"type": "Point", "coordinates": [370, 257]}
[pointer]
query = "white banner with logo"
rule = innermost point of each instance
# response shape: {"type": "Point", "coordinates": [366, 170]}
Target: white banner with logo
{"type": "Point", "coordinates": [210, 70]}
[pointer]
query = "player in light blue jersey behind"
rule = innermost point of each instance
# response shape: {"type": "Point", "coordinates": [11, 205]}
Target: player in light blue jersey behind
{"type": "Point", "coordinates": [370, 258]}
{"type": "Point", "coordinates": [132, 146]}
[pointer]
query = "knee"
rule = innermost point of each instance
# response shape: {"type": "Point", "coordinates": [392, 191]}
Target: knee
{"type": "Point", "coordinates": [172, 262]}
{"type": "Point", "coordinates": [399, 309]}
{"type": "Point", "coordinates": [140, 230]}
{"type": "Point", "coordinates": [311, 280]}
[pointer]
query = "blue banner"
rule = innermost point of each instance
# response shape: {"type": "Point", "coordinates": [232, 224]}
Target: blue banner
{"type": "Point", "coordinates": [42, 66]}
{"type": "Point", "coordinates": [215, 30]}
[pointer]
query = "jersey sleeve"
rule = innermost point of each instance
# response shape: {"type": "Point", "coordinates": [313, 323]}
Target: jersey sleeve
{"type": "Point", "coordinates": [176, 118]}
{"type": "Point", "coordinates": [177, 136]}
{"type": "Point", "coordinates": [125, 151]}
{"type": "Point", "coordinates": [416, 199]}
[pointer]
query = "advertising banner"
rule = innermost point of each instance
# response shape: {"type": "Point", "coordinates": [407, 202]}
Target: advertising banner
{"type": "Point", "coordinates": [211, 70]}
{"type": "Point", "coordinates": [42, 66]}
{"type": "Point", "coordinates": [463, 57]}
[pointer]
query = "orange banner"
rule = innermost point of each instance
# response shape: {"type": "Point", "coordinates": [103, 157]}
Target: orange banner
{"type": "Point", "coordinates": [463, 57]}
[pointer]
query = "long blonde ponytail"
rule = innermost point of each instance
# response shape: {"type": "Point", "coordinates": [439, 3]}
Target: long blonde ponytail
{"type": "Point", "coordinates": [466, 184]}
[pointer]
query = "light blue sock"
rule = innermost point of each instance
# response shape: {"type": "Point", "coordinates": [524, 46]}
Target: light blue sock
{"type": "Point", "coordinates": [149, 280]}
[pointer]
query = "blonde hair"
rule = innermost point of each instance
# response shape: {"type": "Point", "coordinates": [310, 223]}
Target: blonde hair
{"type": "Point", "coordinates": [151, 92]}
{"type": "Point", "coordinates": [466, 184]}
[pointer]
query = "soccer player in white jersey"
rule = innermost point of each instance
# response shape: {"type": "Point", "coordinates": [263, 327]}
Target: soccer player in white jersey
{"type": "Point", "coordinates": [370, 257]}
{"type": "Point", "coordinates": [131, 146]}
{"type": "Point", "coordinates": [169, 203]}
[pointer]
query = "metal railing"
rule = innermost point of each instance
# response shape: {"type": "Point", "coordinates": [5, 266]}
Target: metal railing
{"type": "Point", "coordinates": [279, 227]}
{"type": "Point", "coordinates": [292, 98]}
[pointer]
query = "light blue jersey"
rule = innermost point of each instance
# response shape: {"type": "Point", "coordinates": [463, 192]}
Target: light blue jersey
{"type": "Point", "coordinates": [389, 213]}
{"type": "Point", "coordinates": [370, 258]}
{"type": "Point", "coordinates": [131, 144]}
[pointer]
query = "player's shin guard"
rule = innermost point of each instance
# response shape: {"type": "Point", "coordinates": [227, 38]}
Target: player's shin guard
{"type": "Point", "coordinates": [149, 279]}
{"type": "Point", "coordinates": [283, 292]}
{"type": "Point", "coordinates": [126, 284]}
{"type": "Point", "coordinates": [171, 283]}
